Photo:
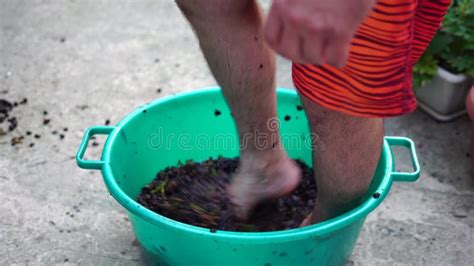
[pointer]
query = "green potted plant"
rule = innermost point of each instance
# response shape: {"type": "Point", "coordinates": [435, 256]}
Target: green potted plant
{"type": "Point", "coordinates": [443, 75]}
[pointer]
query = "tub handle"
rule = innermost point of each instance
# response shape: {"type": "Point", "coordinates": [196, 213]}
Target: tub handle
{"type": "Point", "coordinates": [95, 164]}
{"type": "Point", "coordinates": [407, 143]}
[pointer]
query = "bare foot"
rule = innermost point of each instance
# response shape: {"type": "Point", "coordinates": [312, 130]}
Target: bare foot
{"type": "Point", "coordinates": [255, 182]}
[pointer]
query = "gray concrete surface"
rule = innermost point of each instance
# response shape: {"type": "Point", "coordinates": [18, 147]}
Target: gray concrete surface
{"type": "Point", "coordinates": [88, 61]}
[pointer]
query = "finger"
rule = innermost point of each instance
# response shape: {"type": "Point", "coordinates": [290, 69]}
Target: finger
{"type": "Point", "coordinates": [315, 32]}
{"type": "Point", "coordinates": [312, 48]}
{"type": "Point", "coordinates": [273, 27]}
{"type": "Point", "coordinates": [290, 44]}
{"type": "Point", "coordinates": [336, 50]}
{"type": "Point", "coordinates": [301, 49]}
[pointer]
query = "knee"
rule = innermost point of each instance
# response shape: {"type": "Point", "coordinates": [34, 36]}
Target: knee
{"type": "Point", "coordinates": [322, 118]}
{"type": "Point", "coordinates": [333, 124]}
{"type": "Point", "coordinates": [212, 9]}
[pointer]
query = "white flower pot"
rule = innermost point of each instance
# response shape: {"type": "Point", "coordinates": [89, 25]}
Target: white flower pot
{"type": "Point", "coordinates": [443, 98]}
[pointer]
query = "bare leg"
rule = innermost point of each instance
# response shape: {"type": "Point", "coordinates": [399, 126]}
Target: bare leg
{"type": "Point", "coordinates": [345, 157]}
{"type": "Point", "coordinates": [470, 112]}
{"type": "Point", "coordinates": [230, 36]}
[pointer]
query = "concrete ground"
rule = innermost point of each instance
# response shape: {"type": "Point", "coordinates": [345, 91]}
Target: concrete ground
{"type": "Point", "coordinates": [87, 61]}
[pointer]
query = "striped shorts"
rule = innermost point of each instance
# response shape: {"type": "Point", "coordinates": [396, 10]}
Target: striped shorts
{"type": "Point", "coordinates": [377, 80]}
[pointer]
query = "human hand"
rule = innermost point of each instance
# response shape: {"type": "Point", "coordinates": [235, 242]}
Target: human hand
{"type": "Point", "coordinates": [314, 31]}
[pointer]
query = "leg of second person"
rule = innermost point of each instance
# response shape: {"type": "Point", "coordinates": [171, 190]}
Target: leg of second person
{"type": "Point", "coordinates": [345, 156]}
{"type": "Point", "coordinates": [230, 36]}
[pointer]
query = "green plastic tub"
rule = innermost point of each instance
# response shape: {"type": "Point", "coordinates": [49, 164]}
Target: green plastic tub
{"type": "Point", "coordinates": [187, 126]}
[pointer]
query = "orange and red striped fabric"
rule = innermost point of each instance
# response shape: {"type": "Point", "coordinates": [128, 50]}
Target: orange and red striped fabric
{"type": "Point", "coordinates": [377, 80]}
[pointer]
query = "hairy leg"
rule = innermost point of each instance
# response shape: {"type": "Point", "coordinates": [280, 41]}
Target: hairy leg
{"type": "Point", "coordinates": [345, 156]}
{"type": "Point", "coordinates": [230, 36]}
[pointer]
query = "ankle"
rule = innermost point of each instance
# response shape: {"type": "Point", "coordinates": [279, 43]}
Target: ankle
{"type": "Point", "coordinates": [262, 159]}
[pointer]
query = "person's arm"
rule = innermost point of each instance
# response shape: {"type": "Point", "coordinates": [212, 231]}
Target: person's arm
{"type": "Point", "coordinates": [315, 31]}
